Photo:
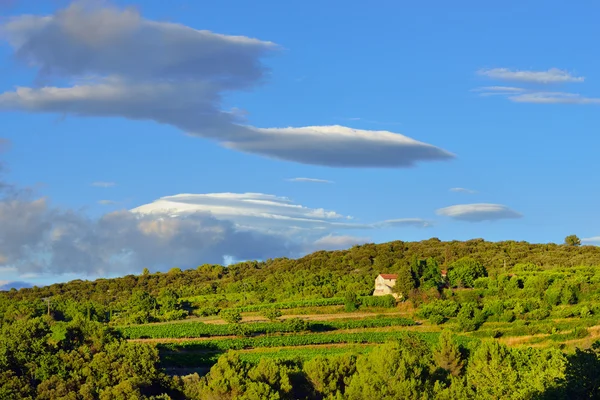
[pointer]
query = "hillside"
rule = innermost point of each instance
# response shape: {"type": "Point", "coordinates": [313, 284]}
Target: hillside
{"type": "Point", "coordinates": [323, 273]}
{"type": "Point", "coordinates": [310, 328]}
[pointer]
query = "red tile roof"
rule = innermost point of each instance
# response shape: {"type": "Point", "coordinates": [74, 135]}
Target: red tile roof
{"type": "Point", "coordinates": [389, 276]}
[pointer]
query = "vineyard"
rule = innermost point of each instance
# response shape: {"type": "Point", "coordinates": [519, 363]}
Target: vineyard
{"type": "Point", "coordinates": [200, 329]}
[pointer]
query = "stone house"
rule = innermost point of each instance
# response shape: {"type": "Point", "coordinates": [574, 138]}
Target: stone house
{"type": "Point", "coordinates": [384, 284]}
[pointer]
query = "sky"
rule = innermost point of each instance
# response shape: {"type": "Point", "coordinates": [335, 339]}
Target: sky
{"type": "Point", "coordinates": [151, 135]}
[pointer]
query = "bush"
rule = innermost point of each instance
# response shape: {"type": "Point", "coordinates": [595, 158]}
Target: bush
{"type": "Point", "coordinates": [437, 319]}
{"type": "Point", "coordinates": [470, 317]}
{"type": "Point", "coordinates": [296, 324]}
{"type": "Point", "coordinates": [539, 314]}
{"type": "Point", "coordinates": [272, 314]}
{"type": "Point", "coordinates": [447, 308]}
{"type": "Point", "coordinates": [174, 315]}
{"type": "Point", "coordinates": [231, 316]}
{"type": "Point", "coordinates": [351, 302]}
{"type": "Point", "coordinates": [387, 301]}
{"type": "Point", "coordinates": [207, 311]}
{"type": "Point", "coordinates": [507, 316]}
{"type": "Point", "coordinates": [585, 312]}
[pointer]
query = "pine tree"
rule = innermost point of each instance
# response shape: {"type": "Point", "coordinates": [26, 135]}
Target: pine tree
{"type": "Point", "coordinates": [448, 355]}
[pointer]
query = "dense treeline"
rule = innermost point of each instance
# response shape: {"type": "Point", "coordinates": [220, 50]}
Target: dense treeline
{"type": "Point", "coordinates": [319, 275]}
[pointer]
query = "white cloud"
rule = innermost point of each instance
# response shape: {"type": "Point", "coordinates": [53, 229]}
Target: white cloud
{"type": "Point", "coordinates": [106, 202]}
{"type": "Point", "coordinates": [263, 212]}
{"type": "Point", "coordinates": [463, 190]}
{"type": "Point", "coordinates": [103, 184]}
{"type": "Point", "coordinates": [498, 90]}
{"type": "Point", "coordinates": [176, 75]}
{"type": "Point", "coordinates": [414, 222]}
{"type": "Point", "coordinates": [313, 180]}
{"type": "Point", "coordinates": [553, 98]}
{"type": "Point", "coordinates": [478, 212]}
{"type": "Point", "coordinates": [592, 240]}
{"type": "Point", "coordinates": [338, 242]}
{"type": "Point", "coordinates": [553, 75]}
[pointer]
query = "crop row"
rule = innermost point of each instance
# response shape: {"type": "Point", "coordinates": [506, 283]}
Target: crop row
{"type": "Point", "coordinates": [299, 340]}
{"type": "Point", "coordinates": [200, 329]}
{"type": "Point", "coordinates": [195, 359]}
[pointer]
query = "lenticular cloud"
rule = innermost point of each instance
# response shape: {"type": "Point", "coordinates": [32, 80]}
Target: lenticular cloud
{"type": "Point", "coordinates": [123, 65]}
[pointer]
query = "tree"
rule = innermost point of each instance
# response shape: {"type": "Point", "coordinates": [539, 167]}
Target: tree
{"type": "Point", "coordinates": [351, 301]}
{"type": "Point", "coordinates": [447, 355]}
{"type": "Point", "coordinates": [231, 316]}
{"type": "Point", "coordinates": [463, 272]}
{"type": "Point", "coordinates": [499, 372]}
{"type": "Point", "coordinates": [271, 313]}
{"type": "Point", "coordinates": [432, 275]}
{"type": "Point", "coordinates": [330, 375]}
{"type": "Point", "coordinates": [145, 272]}
{"type": "Point", "coordinates": [572, 240]}
{"type": "Point", "coordinates": [168, 300]}
{"type": "Point", "coordinates": [405, 282]}
{"type": "Point", "coordinates": [395, 370]}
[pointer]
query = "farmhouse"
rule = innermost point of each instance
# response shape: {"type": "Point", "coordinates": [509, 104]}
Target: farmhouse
{"type": "Point", "coordinates": [384, 284]}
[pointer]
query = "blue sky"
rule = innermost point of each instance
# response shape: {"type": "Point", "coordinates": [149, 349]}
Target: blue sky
{"type": "Point", "coordinates": [503, 100]}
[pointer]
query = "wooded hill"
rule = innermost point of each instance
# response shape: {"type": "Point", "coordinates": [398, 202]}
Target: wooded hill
{"type": "Point", "coordinates": [321, 274]}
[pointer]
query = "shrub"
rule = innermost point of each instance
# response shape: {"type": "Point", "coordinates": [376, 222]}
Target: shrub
{"type": "Point", "coordinates": [539, 314]}
{"type": "Point", "coordinates": [231, 316]}
{"type": "Point", "coordinates": [207, 311]}
{"type": "Point", "coordinates": [387, 301]}
{"type": "Point", "coordinates": [351, 302]}
{"type": "Point", "coordinates": [437, 319]}
{"type": "Point", "coordinates": [470, 317]}
{"type": "Point", "coordinates": [585, 312]}
{"type": "Point", "coordinates": [507, 316]}
{"type": "Point", "coordinates": [296, 324]}
{"type": "Point", "coordinates": [272, 314]}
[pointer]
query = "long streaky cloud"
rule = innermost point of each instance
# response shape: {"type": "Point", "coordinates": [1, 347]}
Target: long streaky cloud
{"type": "Point", "coordinates": [312, 180]}
{"type": "Point", "coordinates": [553, 75]}
{"type": "Point", "coordinates": [463, 190]}
{"type": "Point", "coordinates": [126, 66]}
{"type": "Point", "coordinates": [553, 98]}
{"type": "Point", "coordinates": [478, 212]}
{"type": "Point", "coordinates": [104, 184]}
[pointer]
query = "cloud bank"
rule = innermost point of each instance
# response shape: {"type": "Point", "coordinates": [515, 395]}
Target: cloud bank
{"type": "Point", "coordinates": [184, 230]}
{"type": "Point", "coordinates": [118, 64]}
{"type": "Point", "coordinates": [478, 212]}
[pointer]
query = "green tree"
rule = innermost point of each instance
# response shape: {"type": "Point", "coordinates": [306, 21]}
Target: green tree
{"type": "Point", "coordinates": [406, 282]}
{"type": "Point", "coordinates": [498, 372]}
{"type": "Point", "coordinates": [432, 275]}
{"type": "Point", "coordinates": [447, 354]}
{"type": "Point", "coordinates": [470, 317]}
{"type": "Point", "coordinates": [168, 299]}
{"type": "Point", "coordinates": [330, 375]}
{"type": "Point", "coordinates": [351, 302]}
{"type": "Point", "coordinates": [395, 370]}
{"type": "Point", "coordinates": [464, 272]}
{"type": "Point", "coordinates": [145, 272]}
{"type": "Point", "coordinates": [271, 313]}
{"type": "Point", "coordinates": [572, 240]}
{"type": "Point", "coordinates": [231, 316]}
